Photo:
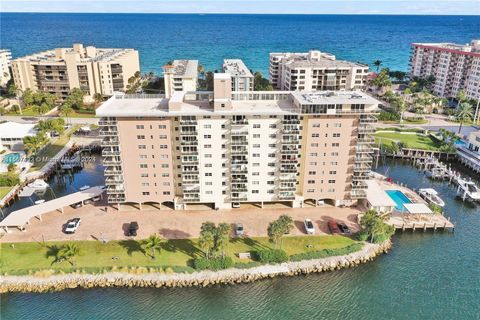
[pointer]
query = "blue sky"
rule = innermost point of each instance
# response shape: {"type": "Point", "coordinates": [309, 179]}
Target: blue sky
{"type": "Point", "coordinates": [449, 7]}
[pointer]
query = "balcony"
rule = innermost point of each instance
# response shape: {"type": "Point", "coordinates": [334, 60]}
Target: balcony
{"type": "Point", "coordinates": [239, 122]}
{"type": "Point", "coordinates": [102, 122]}
{"type": "Point", "coordinates": [239, 132]}
{"type": "Point", "coordinates": [191, 191]}
{"type": "Point", "coordinates": [364, 159]}
{"type": "Point", "coordinates": [364, 149]}
{"type": "Point", "coordinates": [239, 151]}
{"type": "Point", "coordinates": [111, 142]}
{"type": "Point", "coordinates": [191, 199]}
{"type": "Point", "coordinates": [358, 194]}
{"type": "Point", "coordinates": [108, 133]}
{"type": "Point", "coordinates": [291, 141]}
{"type": "Point", "coordinates": [106, 153]}
{"type": "Point", "coordinates": [239, 169]}
{"type": "Point", "coordinates": [288, 188]}
{"type": "Point", "coordinates": [189, 133]}
{"type": "Point", "coordinates": [366, 129]}
{"type": "Point", "coordinates": [114, 180]}
{"type": "Point", "coordinates": [189, 143]}
{"type": "Point", "coordinates": [191, 122]}
{"type": "Point", "coordinates": [115, 190]}
{"type": "Point", "coordinates": [291, 121]}
{"type": "Point", "coordinates": [112, 172]}
{"type": "Point", "coordinates": [243, 142]}
{"type": "Point", "coordinates": [239, 197]}
{"type": "Point", "coordinates": [117, 198]}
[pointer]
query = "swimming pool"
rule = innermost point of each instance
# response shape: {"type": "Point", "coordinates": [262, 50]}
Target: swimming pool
{"type": "Point", "coordinates": [400, 199]}
{"type": "Point", "coordinates": [11, 158]}
{"type": "Point", "coordinates": [461, 143]}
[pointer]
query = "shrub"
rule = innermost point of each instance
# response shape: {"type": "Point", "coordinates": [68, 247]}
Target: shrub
{"type": "Point", "coordinates": [9, 179]}
{"type": "Point", "coordinates": [272, 256]}
{"type": "Point", "coordinates": [218, 263]}
{"type": "Point", "coordinates": [326, 253]}
{"type": "Point", "coordinates": [362, 235]}
{"type": "Point", "coordinates": [388, 116]}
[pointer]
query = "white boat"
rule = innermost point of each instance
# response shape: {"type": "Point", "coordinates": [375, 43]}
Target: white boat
{"type": "Point", "coordinates": [467, 190]}
{"type": "Point", "coordinates": [38, 184]}
{"type": "Point", "coordinates": [85, 187]}
{"type": "Point", "coordinates": [431, 196]}
{"type": "Point", "coordinates": [39, 201]}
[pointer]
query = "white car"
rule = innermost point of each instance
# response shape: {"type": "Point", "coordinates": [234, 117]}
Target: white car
{"type": "Point", "coordinates": [309, 227]}
{"type": "Point", "coordinates": [235, 205]}
{"type": "Point", "coordinates": [239, 231]}
{"type": "Point", "coordinates": [72, 225]}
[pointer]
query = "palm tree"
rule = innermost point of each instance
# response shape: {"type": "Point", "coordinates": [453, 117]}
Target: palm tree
{"type": "Point", "coordinates": [377, 63]}
{"type": "Point", "coordinates": [401, 105]}
{"type": "Point", "coordinates": [66, 109]}
{"type": "Point", "coordinates": [222, 237]}
{"type": "Point", "coordinates": [201, 70]}
{"type": "Point", "coordinates": [153, 243]}
{"type": "Point", "coordinates": [464, 113]}
{"type": "Point", "coordinates": [206, 240]}
{"type": "Point", "coordinates": [67, 252]}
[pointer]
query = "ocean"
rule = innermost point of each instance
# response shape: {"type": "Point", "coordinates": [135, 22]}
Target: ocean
{"type": "Point", "coordinates": [426, 275]}
{"type": "Point", "coordinates": [210, 38]}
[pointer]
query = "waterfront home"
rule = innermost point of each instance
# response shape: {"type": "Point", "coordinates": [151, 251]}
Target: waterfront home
{"type": "Point", "coordinates": [12, 134]}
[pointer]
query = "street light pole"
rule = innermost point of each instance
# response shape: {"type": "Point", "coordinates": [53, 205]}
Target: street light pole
{"type": "Point", "coordinates": [475, 117]}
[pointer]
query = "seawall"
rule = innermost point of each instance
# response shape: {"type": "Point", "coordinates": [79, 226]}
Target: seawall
{"type": "Point", "coordinates": [203, 278]}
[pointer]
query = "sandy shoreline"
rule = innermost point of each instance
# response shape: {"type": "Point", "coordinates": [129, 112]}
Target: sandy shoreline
{"type": "Point", "coordinates": [204, 278]}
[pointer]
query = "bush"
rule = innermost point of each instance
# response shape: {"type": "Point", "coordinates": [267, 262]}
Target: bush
{"type": "Point", "coordinates": [9, 179]}
{"type": "Point", "coordinates": [388, 116]}
{"type": "Point", "coordinates": [362, 235]}
{"type": "Point", "coordinates": [272, 256]}
{"type": "Point", "coordinates": [326, 253]}
{"type": "Point", "coordinates": [213, 264]}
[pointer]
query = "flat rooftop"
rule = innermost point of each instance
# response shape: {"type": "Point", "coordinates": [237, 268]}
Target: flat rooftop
{"type": "Point", "coordinates": [236, 67]}
{"type": "Point", "coordinates": [473, 47]}
{"type": "Point", "coordinates": [12, 129]}
{"type": "Point", "coordinates": [255, 103]}
{"type": "Point", "coordinates": [185, 68]}
{"type": "Point", "coordinates": [315, 58]}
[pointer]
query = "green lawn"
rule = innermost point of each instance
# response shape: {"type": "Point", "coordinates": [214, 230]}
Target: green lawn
{"type": "Point", "coordinates": [4, 191]}
{"type": "Point", "coordinates": [29, 112]}
{"type": "Point", "coordinates": [20, 258]}
{"type": "Point", "coordinates": [414, 141]}
{"type": "Point", "coordinates": [52, 149]}
{"type": "Point", "coordinates": [76, 114]}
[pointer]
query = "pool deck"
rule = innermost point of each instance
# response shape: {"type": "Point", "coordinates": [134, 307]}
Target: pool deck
{"type": "Point", "coordinates": [406, 221]}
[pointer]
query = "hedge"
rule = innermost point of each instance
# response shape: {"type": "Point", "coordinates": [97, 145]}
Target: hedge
{"type": "Point", "coordinates": [326, 253]}
{"type": "Point", "coordinates": [272, 256]}
{"type": "Point", "coordinates": [213, 263]}
{"type": "Point", "coordinates": [9, 179]}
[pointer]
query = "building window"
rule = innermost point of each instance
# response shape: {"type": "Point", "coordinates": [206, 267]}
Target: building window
{"type": "Point", "coordinates": [143, 166]}
{"type": "Point", "coordinates": [146, 193]}
{"type": "Point", "coordinates": [140, 126]}
{"type": "Point", "coordinates": [142, 146]}
{"type": "Point", "coordinates": [140, 137]}
{"type": "Point", "coordinates": [311, 182]}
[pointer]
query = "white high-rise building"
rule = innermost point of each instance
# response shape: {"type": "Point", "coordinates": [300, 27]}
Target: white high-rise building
{"type": "Point", "coordinates": [242, 77]}
{"type": "Point", "coordinates": [315, 70]}
{"type": "Point", "coordinates": [455, 67]}
{"type": "Point", "coordinates": [5, 62]}
{"type": "Point", "coordinates": [181, 75]}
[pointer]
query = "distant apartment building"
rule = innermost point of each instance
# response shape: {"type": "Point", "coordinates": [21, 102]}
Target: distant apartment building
{"type": "Point", "coordinates": [181, 75]}
{"type": "Point", "coordinates": [91, 69]}
{"type": "Point", "coordinates": [455, 67]}
{"type": "Point", "coordinates": [5, 62]}
{"type": "Point", "coordinates": [226, 147]}
{"type": "Point", "coordinates": [12, 134]}
{"type": "Point", "coordinates": [242, 77]}
{"type": "Point", "coordinates": [315, 70]}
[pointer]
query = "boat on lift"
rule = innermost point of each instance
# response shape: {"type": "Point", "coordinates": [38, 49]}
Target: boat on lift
{"type": "Point", "coordinates": [431, 196]}
{"type": "Point", "coordinates": [85, 187]}
{"type": "Point", "coordinates": [468, 190]}
{"type": "Point", "coordinates": [38, 185]}
{"type": "Point", "coordinates": [40, 201]}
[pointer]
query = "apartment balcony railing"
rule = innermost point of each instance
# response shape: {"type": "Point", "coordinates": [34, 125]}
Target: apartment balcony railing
{"type": "Point", "coordinates": [237, 170]}
{"type": "Point", "coordinates": [289, 151]}
{"type": "Point", "coordinates": [239, 189]}
{"type": "Point", "coordinates": [359, 185]}
{"type": "Point", "coordinates": [368, 119]}
{"type": "Point", "coordinates": [360, 177]}
{"type": "Point", "coordinates": [112, 162]}
{"type": "Point", "coordinates": [190, 171]}
{"type": "Point", "coordinates": [108, 143]}
{"type": "Point", "coordinates": [366, 140]}
{"type": "Point", "coordinates": [361, 168]}
{"type": "Point", "coordinates": [238, 151]}
{"type": "Point", "coordinates": [288, 196]}
{"type": "Point", "coordinates": [191, 199]}
{"type": "Point", "coordinates": [190, 181]}
{"type": "Point", "coordinates": [239, 142]}
{"type": "Point", "coordinates": [112, 172]}
{"type": "Point", "coordinates": [115, 190]}
{"type": "Point", "coordinates": [113, 180]}
{"type": "Point", "coordinates": [189, 152]}
{"type": "Point", "coordinates": [288, 188]}
{"type": "Point", "coordinates": [363, 159]}
{"type": "Point", "coordinates": [366, 129]}
{"type": "Point", "coordinates": [188, 122]}
{"type": "Point", "coordinates": [290, 141]}
{"type": "Point", "coordinates": [291, 121]}
{"type": "Point", "coordinates": [358, 194]}
{"type": "Point", "coordinates": [289, 160]}
{"type": "Point", "coordinates": [364, 149]}
{"type": "Point", "coordinates": [288, 170]}
{"type": "Point", "coordinates": [291, 131]}
{"type": "Point", "coordinates": [240, 122]}
{"type": "Point", "coordinates": [239, 198]}
{"type": "Point", "coordinates": [116, 198]}
{"type": "Point", "coordinates": [189, 143]}
{"type": "Point", "coordinates": [234, 181]}
{"type": "Point", "coordinates": [189, 133]}
{"type": "Point", "coordinates": [191, 191]}
{"type": "Point", "coordinates": [108, 133]}
{"type": "Point", "coordinates": [103, 122]}
{"type": "Point", "coordinates": [107, 153]}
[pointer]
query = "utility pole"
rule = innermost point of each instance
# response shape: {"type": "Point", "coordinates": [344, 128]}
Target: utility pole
{"type": "Point", "coordinates": [476, 116]}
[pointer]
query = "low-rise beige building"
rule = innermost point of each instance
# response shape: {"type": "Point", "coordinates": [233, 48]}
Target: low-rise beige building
{"type": "Point", "coordinates": [455, 67]}
{"type": "Point", "coordinates": [226, 147]}
{"type": "Point", "coordinates": [93, 70]}
{"type": "Point", "coordinates": [315, 70]}
{"type": "Point", "coordinates": [181, 75]}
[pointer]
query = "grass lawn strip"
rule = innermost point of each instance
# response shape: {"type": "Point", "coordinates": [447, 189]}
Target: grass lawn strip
{"type": "Point", "coordinates": [413, 141]}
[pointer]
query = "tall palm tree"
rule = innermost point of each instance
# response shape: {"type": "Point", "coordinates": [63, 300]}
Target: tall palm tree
{"type": "Point", "coordinates": [222, 237]}
{"type": "Point", "coordinates": [377, 63]}
{"type": "Point", "coordinates": [206, 240]}
{"type": "Point", "coordinates": [153, 243]}
{"type": "Point", "coordinates": [464, 113]}
{"type": "Point", "coordinates": [401, 105]}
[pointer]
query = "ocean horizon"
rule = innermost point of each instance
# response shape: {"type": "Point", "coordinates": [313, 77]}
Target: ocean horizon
{"type": "Point", "coordinates": [210, 38]}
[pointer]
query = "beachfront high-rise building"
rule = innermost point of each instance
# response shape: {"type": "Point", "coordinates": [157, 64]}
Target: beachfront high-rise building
{"type": "Point", "coordinates": [181, 75]}
{"type": "Point", "coordinates": [5, 62]}
{"type": "Point", "coordinates": [91, 69]}
{"type": "Point", "coordinates": [315, 70]}
{"type": "Point", "coordinates": [242, 77]}
{"type": "Point", "coordinates": [455, 67]}
{"type": "Point", "coordinates": [224, 147]}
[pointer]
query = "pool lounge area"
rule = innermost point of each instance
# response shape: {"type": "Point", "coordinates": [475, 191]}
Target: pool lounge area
{"type": "Point", "coordinates": [400, 199]}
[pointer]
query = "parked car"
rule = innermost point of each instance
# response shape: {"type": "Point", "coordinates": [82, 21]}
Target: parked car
{"type": "Point", "coordinates": [235, 204]}
{"type": "Point", "coordinates": [239, 231]}
{"type": "Point", "coordinates": [309, 227]}
{"type": "Point", "coordinates": [333, 226]}
{"type": "Point", "coordinates": [344, 228]}
{"type": "Point", "coordinates": [72, 225]}
{"type": "Point", "coordinates": [132, 228]}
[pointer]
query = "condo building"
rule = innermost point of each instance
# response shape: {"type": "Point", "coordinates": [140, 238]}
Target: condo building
{"type": "Point", "coordinates": [242, 77]}
{"type": "Point", "coordinates": [181, 75]}
{"type": "Point", "coordinates": [455, 67]}
{"type": "Point", "coordinates": [315, 71]}
{"type": "Point", "coordinates": [226, 147]}
{"type": "Point", "coordinates": [93, 70]}
{"type": "Point", "coordinates": [5, 62]}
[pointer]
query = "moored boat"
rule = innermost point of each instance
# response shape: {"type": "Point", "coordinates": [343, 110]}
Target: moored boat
{"type": "Point", "coordinates": [38, 184]}
{"type": "Point", "coordinates": [431, 196]}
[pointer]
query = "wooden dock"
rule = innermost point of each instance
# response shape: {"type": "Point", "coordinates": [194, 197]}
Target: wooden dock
{"type": "Point", "coordinates": [420, 222]}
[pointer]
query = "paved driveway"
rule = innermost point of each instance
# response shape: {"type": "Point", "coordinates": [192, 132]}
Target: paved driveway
{"type": "Point", "coordinates": [111, 225]}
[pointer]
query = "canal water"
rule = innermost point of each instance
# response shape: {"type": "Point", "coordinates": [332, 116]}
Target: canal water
{"type": "Point", "coordinates": [427, 275]}
{"type": "Point", "coordinates": [65, 182]}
